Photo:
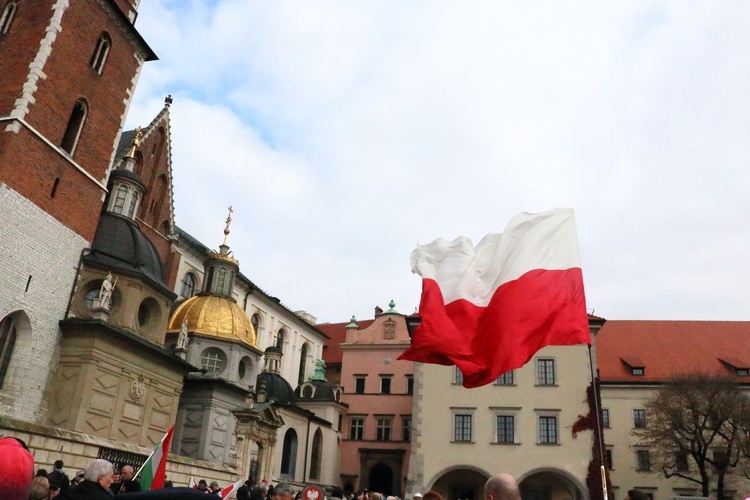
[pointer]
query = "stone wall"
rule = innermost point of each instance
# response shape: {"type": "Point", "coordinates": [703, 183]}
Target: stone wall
{"type": "Point", "coordinates": [49, 444]}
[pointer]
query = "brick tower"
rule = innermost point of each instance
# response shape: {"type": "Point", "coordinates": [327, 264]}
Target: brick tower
{"type": "Point", "coordinates": [69, 70]}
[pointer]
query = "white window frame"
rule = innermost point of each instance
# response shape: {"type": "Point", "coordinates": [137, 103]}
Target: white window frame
{"type": "Point", "coordinates": [545, 382]}
{"type": "Point", "coordinates": [463, 412]}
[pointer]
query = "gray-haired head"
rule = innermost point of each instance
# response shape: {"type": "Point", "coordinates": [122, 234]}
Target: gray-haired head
{"type": "Point", "coordinates": [283, 489]}
{"type": "Point", "coordinates": [97, 468]}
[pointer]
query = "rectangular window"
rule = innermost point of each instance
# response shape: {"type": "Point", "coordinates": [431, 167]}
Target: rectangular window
{"type": "Point", "coordinates": [547, 430]}
{"type": "Point", "coordinates": [462, 427]}
{"type": "Point", "coordinates": [356, 428]}
{"type": "Point", "coordinates": [642, 460]}
{"type": "Point", "coordinates": [385, 384]}
{"type": "Point", "coordinates": [605, 418]}
{"type": "Point", "coordinates": [384, 429]}
{"type": "Point", "coordinates": [359, 385]}
{"type": "Point", "coordinates": [545, 371]}
{"type": "Point", "coordinates": [681, 461]}
{"type": "Point", "coordinates": [505, 429]}
{"type": "Point", "coordinates": [410, 384]}
{"type": "Point", "coordinates": [639, 419]}
{"type": "Point", "coordinates": [458, 377]}
{"type": "Point", "coordinates": [406, 428]}
{"type": "Point", "coordinates": [507, 378]}
{"type": "Point", "coordinates": [608, 459]}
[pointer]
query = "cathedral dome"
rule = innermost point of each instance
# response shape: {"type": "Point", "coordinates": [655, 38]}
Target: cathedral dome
{"type": "Point", "coordinates": [119, 244]}
{"type": "Point", "coordinates": [212, 316]}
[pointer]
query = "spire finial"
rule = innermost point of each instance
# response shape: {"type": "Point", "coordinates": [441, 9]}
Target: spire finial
{"type": "Point", "coordinates": [226, 229]}
{"type": "Point", "coordinates": [168, 100]}
{"type": "Point", "coordinates": [136, 142]}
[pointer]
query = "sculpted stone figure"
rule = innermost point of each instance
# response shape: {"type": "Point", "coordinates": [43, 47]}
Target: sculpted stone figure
{"type": "Point", "coordinates": [182, 337]}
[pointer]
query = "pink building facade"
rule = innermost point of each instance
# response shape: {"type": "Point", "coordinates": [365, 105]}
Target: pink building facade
{"type": "Point", "coordinates": [374, 453]}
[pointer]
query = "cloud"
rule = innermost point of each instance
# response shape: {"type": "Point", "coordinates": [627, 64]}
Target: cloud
{"type": "Point", "coordinates": [345, 133]}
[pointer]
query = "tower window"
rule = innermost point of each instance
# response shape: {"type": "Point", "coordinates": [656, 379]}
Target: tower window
{"type": "Point", "coordinates": [7, 343]}
{"type": "Point", "coordinates": [75, 125]}
{"type": "Point", "coordinates": [133, 204]}
{"type": "Point", "coordinates": [99, 57]}
{"type": "Point", "coordinates": [7, 16]}
{"type": "Point", "coordinates": [119, 206]}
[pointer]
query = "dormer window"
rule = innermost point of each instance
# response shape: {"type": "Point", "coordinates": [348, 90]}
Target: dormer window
{"type": "Point", "coordinates": [739, 368]}
{"type": "Point", "coordinates": [99, 57]}
{"type": "Point", "coordinates": [634, 365]}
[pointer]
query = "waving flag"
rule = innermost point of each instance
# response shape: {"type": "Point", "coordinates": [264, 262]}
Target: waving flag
{"type": "Point", "coordinates": [153, 472]}
{"type": "Point", "coordinates": [489, 309]}
{"type": "Point", "coordinates": [232, 488]}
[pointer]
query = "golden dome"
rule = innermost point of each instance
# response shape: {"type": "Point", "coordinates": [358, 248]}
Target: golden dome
{"type": "Point", "coordinates": [213, 316]}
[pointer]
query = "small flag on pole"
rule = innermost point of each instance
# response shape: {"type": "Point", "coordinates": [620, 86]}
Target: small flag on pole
{"type": "Point", "coordinates": [489, 309]}
{"type": "Point", "coordinates": [154, 471]}
{"type": "Point", "coordinates": [191, 483]}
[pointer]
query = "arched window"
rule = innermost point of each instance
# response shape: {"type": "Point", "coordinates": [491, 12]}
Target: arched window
{"type": "Point", "coordinates": [289, 454]}
{"type": "Point", "coordinates": [120, 195]}
{"type": "Point", "coordinates": [188, 285]}
{"type": "Point", "coordinates": [8, 331]}
{"type": "Point", "coordinates": [75, 125]}
{"type": "Point", "coordinates": [7, 16]}
{"type": "Point", "coordinates": [280, 340]}
{"type": "Point", "coordinates": [302, 364]}
{"type": "Point", "coordinates": [99, 57]}
{"type": "Point", "coordinates": [316, 455]}
{"type": "Point", "coordinates": [133, 204]}
{"type": "Point", "coordinates": [255, 321]}
{"type": "Point", "coordinates": [221, 280]}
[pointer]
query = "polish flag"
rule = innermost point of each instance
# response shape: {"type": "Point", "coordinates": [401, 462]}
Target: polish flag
{"type": "Point", "coordinates": [232, 488]}
{"type": "Point", "coordinates": [489, 309]}
{"type": "Point", "coordinates": [191, 483]}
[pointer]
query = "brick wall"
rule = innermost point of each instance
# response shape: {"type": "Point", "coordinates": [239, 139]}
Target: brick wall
{"type": "Point", "coordinates": [39, 258]}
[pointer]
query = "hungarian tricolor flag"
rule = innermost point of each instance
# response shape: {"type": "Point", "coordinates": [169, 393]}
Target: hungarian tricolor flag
{"type": "Point", "coordinates": [489, 309]}
{"type": "Point", "coordinates": [154, 471]}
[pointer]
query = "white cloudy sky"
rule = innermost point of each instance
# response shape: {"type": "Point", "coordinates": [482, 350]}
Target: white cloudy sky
{"type": "Point", "coordinates": [345, 132]}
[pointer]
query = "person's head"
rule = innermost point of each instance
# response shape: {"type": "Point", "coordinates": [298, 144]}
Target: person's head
{"type": "Point", "coordinates": [376, 496]}
{"type": "Point", "coordinates": [39, 488]}
{"type": "Point", "coordinates": [126, 473]}
{"type": "Point", "coordinates": [502, 487]}
{"type": "Point", "coordinates": [417, 496]}
{"type": "Point", "coordinates": [17, 465]}
{"type": "Point", "coordinates": [115, 475]}
{"type": "Point", "coordinates": [101, 472]}
{"type": "Point", "coordinates": [41, 473]}
{"type": "Point", "coordinates": [55, 486]}
{"type": "Point", "coordinates": [202, 485]}
{"type": "Point", "coordinates": [59, 464]}
{"type": "Point", "coordinates": [213, 486]}
{"type": "Point", "coordinates": [432, 495]}
{"type": "Point", "coordinates": [79, 476]}
{"type": "Point", "coordinates": [283, 491]}
{"type": "Point", "coordinates": [637, 495]}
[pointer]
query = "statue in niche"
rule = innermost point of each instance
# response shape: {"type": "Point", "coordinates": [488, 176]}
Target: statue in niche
{"type": "Point", "coordinates": [105, 292]}
{"type": "Point", "coordinates": [182, 337]}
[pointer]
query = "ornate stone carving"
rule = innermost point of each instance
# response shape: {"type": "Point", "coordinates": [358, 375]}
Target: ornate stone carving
{"type": "Point", "coordinates": [389, 327]}
{"type": "Point", "coordinates": [138, 388]}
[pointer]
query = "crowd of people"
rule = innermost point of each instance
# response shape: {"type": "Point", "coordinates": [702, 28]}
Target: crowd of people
{"type": "Point", "coordinates": [101, 480]}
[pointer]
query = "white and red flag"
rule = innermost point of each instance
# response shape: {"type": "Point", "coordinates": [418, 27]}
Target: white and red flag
{"type": "Point", "coordinates": [489, 309]}
{"type": "Point", "coordinates": [232, 488]}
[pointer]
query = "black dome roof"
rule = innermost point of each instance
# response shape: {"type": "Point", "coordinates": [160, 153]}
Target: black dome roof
{"type": "Point", "coordinates": [276, 387]}
{"type": "Point", "coordinates": [120, 245]}
{"type": "Point", "coordinates": [323, 391]}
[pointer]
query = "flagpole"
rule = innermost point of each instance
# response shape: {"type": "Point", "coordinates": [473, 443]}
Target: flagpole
{"type": "Point", "coordinates": [600, 432]}
{"type": "Point", "coordinates": [144, 463]}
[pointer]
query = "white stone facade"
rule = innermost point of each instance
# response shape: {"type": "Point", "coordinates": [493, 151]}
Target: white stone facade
{"type": "Point", "coordinates": [40, 257]}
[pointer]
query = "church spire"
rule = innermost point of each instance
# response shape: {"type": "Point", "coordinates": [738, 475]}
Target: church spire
{"type": "Point", "coordinates": [220, 267]}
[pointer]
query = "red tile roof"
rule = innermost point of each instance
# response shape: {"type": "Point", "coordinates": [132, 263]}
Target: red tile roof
{"type": "Point", "coordinates": [337, 332]}
{"type": "Point", "coordinates": [666, 348]}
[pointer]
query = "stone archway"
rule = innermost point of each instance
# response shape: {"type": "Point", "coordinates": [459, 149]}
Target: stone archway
{"type": "Point", "coordinates": [380, 479]}
{"type": "Point", "coordinates": [463, 483]}
{"type": "Point", "coordinates": [551, 484]}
